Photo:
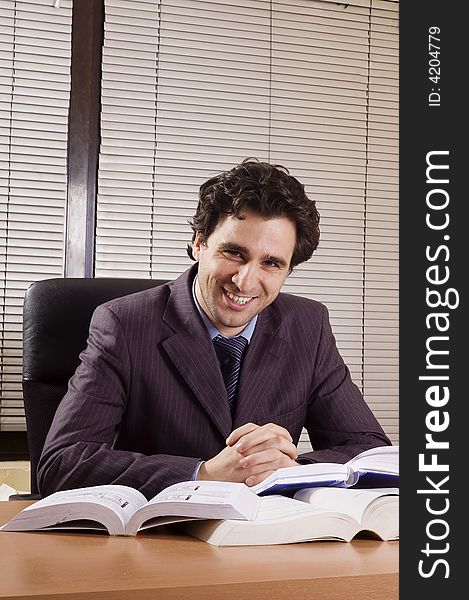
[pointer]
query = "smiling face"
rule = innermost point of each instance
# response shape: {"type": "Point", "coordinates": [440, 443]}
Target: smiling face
{"type": "Point", "coordinates": [242, 266]}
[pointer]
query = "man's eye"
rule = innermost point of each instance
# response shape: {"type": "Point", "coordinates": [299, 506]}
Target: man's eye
{"type": "Point", "coordinates": [232, 253]}
{"type": "Point", "coordinates": [270, 263]}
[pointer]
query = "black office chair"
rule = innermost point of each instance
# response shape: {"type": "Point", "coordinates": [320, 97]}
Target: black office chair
{"type": "Point", "coordinates": [56, 318]}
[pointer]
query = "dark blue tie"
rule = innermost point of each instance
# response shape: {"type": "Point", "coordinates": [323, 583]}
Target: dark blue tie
{"type": "Point", "coordinates": [230, 353]}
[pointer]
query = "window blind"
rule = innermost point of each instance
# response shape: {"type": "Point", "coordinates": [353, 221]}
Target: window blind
{"type": "Point", "coordinates": [125, 206]}
{"type": "Point", "coordinates": [309, 84]}
{"type": "Point", "coordinates": [381, 299]}
{"type": "Point", "coordinates": [318, 128]}
{"type": "Point", "coordinates": [35, 38]}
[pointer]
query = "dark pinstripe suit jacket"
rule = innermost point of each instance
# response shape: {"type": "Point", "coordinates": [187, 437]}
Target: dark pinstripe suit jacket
{"type": "Point", "coordinates": [148, 399]}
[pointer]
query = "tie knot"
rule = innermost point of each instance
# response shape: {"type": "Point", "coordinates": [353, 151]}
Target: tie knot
{"type": "Point", "coordinates": [234, 346]}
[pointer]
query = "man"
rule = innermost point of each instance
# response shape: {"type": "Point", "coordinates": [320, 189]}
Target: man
{"type": "Point", "coordinates": [213, 375]}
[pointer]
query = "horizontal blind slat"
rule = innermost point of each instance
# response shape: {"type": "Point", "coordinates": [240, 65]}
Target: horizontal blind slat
{"type": "Point", "coordinates": [32, 203]}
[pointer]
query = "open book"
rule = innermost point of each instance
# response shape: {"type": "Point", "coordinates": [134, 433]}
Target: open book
{"type": "Point", "coordinates": [320, 513]}
{"type": "Point", "coordinates": [378, 467]}
{"type": "Point", "coordinates": [123, 510]}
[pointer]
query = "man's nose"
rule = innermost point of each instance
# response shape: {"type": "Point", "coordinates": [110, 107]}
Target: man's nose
{"type": "Point", "coordinates": [246, 278]}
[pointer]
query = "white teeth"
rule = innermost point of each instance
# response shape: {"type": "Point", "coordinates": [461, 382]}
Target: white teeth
{"type": "Point", "coordinates": [238, 299]}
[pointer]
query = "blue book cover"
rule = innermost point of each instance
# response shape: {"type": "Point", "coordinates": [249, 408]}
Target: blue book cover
{"type": "Point", "coordinates": [378, 467]}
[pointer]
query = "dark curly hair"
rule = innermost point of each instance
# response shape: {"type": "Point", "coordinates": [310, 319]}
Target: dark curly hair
{"type": "Point", "coordinates": [266, 189]}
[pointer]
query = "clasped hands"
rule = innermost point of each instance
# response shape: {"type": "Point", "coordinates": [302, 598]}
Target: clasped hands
{"type": "Point", "coordinates": [252, 453]}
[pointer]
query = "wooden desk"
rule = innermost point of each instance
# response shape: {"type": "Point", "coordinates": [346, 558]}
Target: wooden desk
{"type": "Point", "coordinates": [160, 566]}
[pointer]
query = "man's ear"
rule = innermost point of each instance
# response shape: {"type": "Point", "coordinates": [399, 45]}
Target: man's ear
{"type": "Point", "coordinates": [196, 244]}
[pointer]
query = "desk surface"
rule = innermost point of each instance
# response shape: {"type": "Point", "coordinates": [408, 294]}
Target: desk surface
{"type": "Point", "coordinates": [164, 566]}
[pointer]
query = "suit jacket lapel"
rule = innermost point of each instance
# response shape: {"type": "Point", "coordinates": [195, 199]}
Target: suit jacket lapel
{"type": "Point", "coordinates": [260, 367]}
{"type": "Point", "coordinates": [192, 353]}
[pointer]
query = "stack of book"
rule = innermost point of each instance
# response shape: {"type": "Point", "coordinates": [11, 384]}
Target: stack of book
{"type": "Point", "coordinates": [321, 501]}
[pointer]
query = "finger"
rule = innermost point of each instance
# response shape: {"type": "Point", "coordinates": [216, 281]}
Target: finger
{"type": "Point", "coordinates": [223, 467]}
{"type": "Point", "coordinates": [259, 478]}
{"type": "Point", "coordinates": [258, 473]}
{"type": "Point", "coordinates": [255, 478]}
{"type": "Point", "coordinates": [271, 457]}
{"type": "Point", "coordinates": [238, 433]}
{"type": "Point", "coordinates": [279, 443]}
{"type": "Point", "coordinates": [260, 435]}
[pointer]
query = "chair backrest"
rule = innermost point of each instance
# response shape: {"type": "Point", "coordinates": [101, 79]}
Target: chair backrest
{"type": "Point", "coordinates": [56, 318]}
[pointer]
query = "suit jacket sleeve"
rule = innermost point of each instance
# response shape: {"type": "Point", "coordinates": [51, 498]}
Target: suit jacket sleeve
{"type": "Point", "coordinates": [339, 422]}
{"type": "Point", "coordinates": [79, 448]}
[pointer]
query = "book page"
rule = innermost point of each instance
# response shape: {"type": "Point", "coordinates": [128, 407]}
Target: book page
{"type": "Point", "coordinates": [118, 498]}
{"type": "Point", "coordinates": [109, 505]}
{"type": "Point", "coordinates": [384, 459]}
{"type": "Point", "coordinates": [351, 501]}
{"type": "Point", "coordinates": [206, 499]}
{"type": "Point", "coordinates": [274, 508]}
{"type": "Point", "coordinates": [196, 499]}
{"type": "Point", "coordinates": [382, 516]}
{"type": "Point", "coordinates": [280, 520]}
{"type": "Point", "coordinates": [190, 492]}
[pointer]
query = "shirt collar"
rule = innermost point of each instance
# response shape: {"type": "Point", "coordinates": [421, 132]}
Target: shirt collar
{"type": "Point", "coordinates": [247, 332]}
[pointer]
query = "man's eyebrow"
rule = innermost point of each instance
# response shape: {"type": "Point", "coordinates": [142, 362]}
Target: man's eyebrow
{"type": "Point", "coordinates": [281, 262]}
{"type": "Point", "coordinates": [229, 246]}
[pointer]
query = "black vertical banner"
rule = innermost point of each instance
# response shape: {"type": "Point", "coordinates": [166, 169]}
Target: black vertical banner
{"type": "Point", "coordinates": [433, 300]}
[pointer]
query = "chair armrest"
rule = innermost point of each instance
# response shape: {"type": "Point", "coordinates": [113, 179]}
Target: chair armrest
{"type": "Point", "coordinates": [24, 497]}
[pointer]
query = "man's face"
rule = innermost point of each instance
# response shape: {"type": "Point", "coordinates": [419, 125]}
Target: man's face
{"type": "Point", "coordinates": [242, 266]}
